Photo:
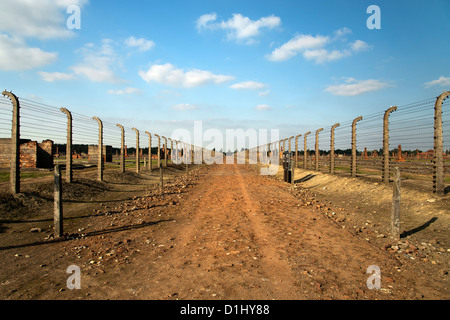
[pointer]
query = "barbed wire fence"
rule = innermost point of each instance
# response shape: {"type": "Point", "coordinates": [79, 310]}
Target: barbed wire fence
{"type": "Point", "coordinates": [415, 146]}
{"type": "Point", "coordinates": [358, 143]}
{"type": "Point", "coordinates": [34, 135]}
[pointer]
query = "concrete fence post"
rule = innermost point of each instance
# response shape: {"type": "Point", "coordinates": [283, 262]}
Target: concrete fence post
{"type": "Point", "coordinates": [69, 173]}
{"type": "Point", "coordinates": [316, 150]}
{"type": "Point", "coordinates": [332, 147]}
{"type": "Point", "coordinates": [14, 171]}
{"type": "Point", "coordinates": [290, 144]}
{"type": "Point", "coordinates": [122, 148]}
{"type": "Point", "coordinates": [159, 150]}
{"type": "Point", "coordinates": [165, 151]}
{"type": "Point", "coordinates": [100, 148]}
{"type": "Point", "coordinates": [353, 163]}
{"type": "Point", "coordinates": [296, 150]}
{"type": "Point", "coordinates": [149, 150]}
{"type": "Point", "coordinates": [305, 155]}
{"type": "Point", "coordinates": [57, 203]}
{"type": "Point", "coordinates": [280, 154]}
{"type": "Point", "coordinates": [171, 150]}
{"type": "Point", "coordinates": [386, 143]}
{"type": "Point", "coordinates": [438, 165]}
{"type": "Point", "coordinates": [138, 165]}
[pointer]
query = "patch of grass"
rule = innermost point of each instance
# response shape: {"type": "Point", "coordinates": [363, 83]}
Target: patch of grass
{"type": "Point", "coordinates": [4, 175]}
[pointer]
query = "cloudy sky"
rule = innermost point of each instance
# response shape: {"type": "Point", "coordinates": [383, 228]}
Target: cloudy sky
{"type": "Point", "coordinates": [288, 65]}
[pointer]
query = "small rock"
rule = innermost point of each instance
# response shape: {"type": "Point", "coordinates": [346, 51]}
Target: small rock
{"type": "Point", "coordinates": [37, 230]}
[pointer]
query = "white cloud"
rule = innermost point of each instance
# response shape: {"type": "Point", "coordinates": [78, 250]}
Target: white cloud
{"type": "Point", "coordinates": [248, 85]}
{"type": "Point", "coordinates": [169, 75]}
{"type": "Point", "coordinates": [353, 87]}
{"type": "Point", "coordinates": [125, 91]}
{"type": "Point", "coordinates": [141, 43]}
{"type": "Point", "coordinates": [238, 27]}
{"type": "Point", "coordinates": [342, 32]}
{"type": "Point", "coordinates": [43, 19]}
{"type": "Point", "coordinates": [442, 81]}
{"type": "Point", "coordinates": [98, 65]}
{"type": "Point", "coordinates": [262, 107]}
{"type": "Point", "coordinates": [359, 45]}
{"type": "Point", "coordinates": [315, 47]}
{"type": "Point", "coordinates": [15, 55]}
{"type": "Point", "coordinates": [322, 55]}
{"type": "Point", "coordinates": [296, 45]}
{"type": "Point", "coordinates": [56, 76]}
{"type": "Point", "coordinates": [203, 21]}
{"type": "Point", "coordinates": [184, 107]}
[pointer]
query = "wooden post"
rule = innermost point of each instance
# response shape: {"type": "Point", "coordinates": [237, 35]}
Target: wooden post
{"type": "Point", "coordinates": [57, 207]}
{"type": "Point", "coordinates": [69, 174]}
{"type": "Point", "coordinates": [395, 213]}
{"type": "Point", "coordinates": [14, 175]}
{"type": "Point", "coordinates": [161, 177]}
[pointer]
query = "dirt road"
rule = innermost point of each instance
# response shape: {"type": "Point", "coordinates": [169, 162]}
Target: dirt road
{"type": "Point", "coordinates": [223, 232]}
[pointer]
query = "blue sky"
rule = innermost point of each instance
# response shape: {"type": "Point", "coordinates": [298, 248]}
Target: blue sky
{"type": "Point", "coordinates": [288, 65]}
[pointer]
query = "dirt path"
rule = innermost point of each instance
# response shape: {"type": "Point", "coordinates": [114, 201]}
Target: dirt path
{"type": "Point", "coordinates": [222, 232]}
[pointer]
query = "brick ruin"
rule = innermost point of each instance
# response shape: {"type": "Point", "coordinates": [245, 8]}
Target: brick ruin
{"type": "Point", "coordinates": [32, 154]}
{"type": "Point", "coordinates": [93, 153]}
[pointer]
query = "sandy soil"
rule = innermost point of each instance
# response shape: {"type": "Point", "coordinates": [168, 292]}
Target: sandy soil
{"type": "Point", "coordinates": [226, 232]}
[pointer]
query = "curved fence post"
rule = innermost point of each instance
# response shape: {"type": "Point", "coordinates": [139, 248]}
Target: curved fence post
{"type": "Point", "coordinates": [165, 151]}
{"type": "Point", "coordinates": [14, 171]}
{"type": "Point", "coordinates": [149, 150]}
{"type": "Point", "coordinates": [100, 148]}
{"type": "Point", "coordinates": [122, 148]}
{"type": "Point", "coordinates": [332, 147]}
{"type": "Point", "coordinates": [386, 143]}
{"type": "Point", "coordinates": [305, 155]}
{"type": "Point", "coordinates": [438, 166]}
{"type": "Point", "coordinates": [290, 144]}
{"type": "Point", "coordinates": [69, 174]}
{"type": "Point", "coordinates": [316, 151]}
{"type": "Point", "coordinates": [353, 164]}
{"type": "Point", "coordinates": [296, 150]}
{"type": "Point", "coordinates": [137, 149]}
{"type": "Point", "coordinates": [159, 150]}
{"type": "Point", "coordinates": [171, 150]}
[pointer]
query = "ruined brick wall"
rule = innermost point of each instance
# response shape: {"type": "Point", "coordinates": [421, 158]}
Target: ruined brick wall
{"type": "Point", "coordinates": [93, 153]}
{"type": "Point", "coordinates": [28, 154]}
{"type": "Point", "coordinates": [45, 154]}
{"type": "Point", "coordinates": [32, 154]}
{"type": "Point", "coordinates": [5, 150]}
